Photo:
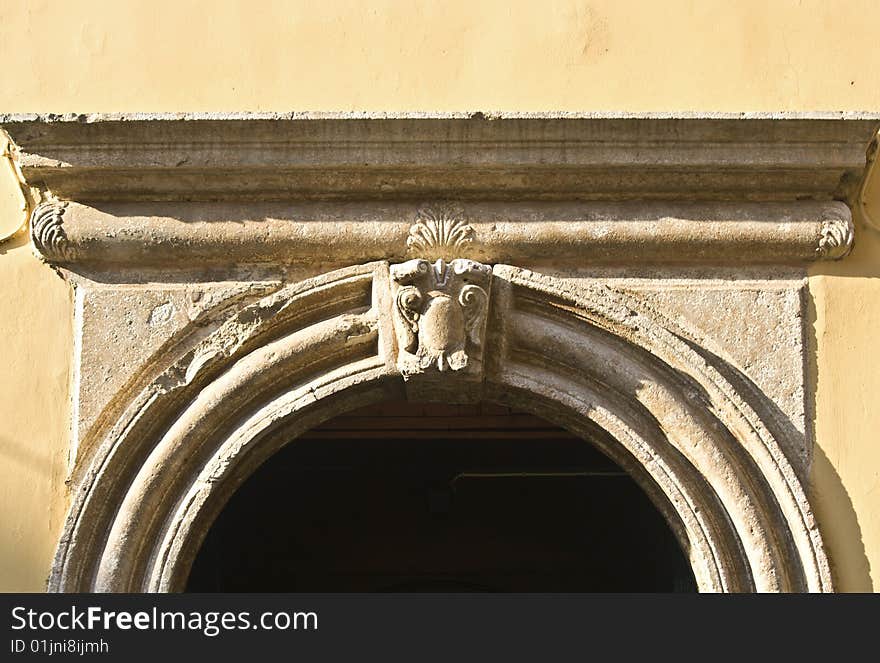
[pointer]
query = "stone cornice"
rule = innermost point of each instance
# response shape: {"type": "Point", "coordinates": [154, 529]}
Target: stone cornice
{"type": "Point", "coordinates": [284, 156]}
{"type": "Point", "coordinates": [159, 189]}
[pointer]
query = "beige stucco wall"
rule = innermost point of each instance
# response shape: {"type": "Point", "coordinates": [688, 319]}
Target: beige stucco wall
{"type": "Point", "coordinates": [36, 323]}
{"type": "Point", "coordinates": [166, 55]}
{"type": "Point", "coordinates": [846, 372]}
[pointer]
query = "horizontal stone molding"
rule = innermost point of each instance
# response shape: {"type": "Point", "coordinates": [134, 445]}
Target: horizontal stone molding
{"type": "Point", "coordinates": [283, 156]}
{"type": "Point", "coordinates": [572, 233]}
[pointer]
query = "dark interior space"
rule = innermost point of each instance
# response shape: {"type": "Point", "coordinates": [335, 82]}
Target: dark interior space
{"type": "Point", "coordinates": [407, 497]}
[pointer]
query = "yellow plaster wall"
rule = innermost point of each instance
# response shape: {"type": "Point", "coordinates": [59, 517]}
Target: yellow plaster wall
{"type": "Point", "coordinates": [36, 327]}
{"type": "Point", "coordinates": [211, 55]}
{"type": "Point", "coordinates": [846, 471]}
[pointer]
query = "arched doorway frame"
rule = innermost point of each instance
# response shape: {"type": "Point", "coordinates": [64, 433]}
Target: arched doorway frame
{"type": "Point", "coordinates": [597, 361]}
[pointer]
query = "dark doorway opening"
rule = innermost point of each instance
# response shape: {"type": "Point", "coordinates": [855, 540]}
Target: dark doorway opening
{"type": "Point", "coordinates": [406, 497]}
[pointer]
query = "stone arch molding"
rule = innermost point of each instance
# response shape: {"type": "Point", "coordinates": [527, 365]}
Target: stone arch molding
{"type": "Point", "coordinates": [601, 362]}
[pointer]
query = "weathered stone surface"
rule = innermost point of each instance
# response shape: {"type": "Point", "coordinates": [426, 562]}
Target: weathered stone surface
{"type": "Point", "coordinates": [123, 330]}
{"type": "Point", "coordinates": [763, 355]}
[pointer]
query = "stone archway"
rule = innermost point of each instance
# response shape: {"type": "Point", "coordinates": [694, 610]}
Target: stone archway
{"type": "Point", "coordinates": [658, 307]}
{"type": "Point", "coordinates": [598, 362]}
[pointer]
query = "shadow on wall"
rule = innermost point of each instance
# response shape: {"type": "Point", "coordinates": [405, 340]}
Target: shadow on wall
{"type": "Point", "coordinates": [840, 527]}
{"type": "Point", "coordinates": [843, 319]}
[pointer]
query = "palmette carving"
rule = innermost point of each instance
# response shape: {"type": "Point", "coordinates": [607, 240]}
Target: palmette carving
{"type": "Point", "coordinates": [439, 232]}
{"type": "Point", "coordinates": [440, 314]}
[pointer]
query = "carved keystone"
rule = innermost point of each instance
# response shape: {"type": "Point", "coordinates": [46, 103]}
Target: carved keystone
{"type": "Point", "coordinates": [440, 312]}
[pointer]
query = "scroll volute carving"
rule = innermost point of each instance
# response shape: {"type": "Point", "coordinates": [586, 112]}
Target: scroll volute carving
{"type": "Point", "coordinates": [440, 312]}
